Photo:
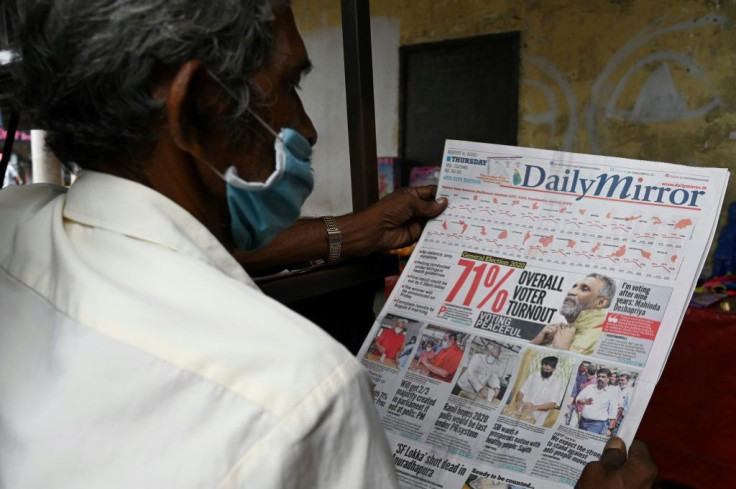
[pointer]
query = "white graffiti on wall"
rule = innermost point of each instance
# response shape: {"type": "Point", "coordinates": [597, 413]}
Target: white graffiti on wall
{"type": "Point", "coordinates": [658, 98]}
{"type": "Point", "coordinates": [549, 117]}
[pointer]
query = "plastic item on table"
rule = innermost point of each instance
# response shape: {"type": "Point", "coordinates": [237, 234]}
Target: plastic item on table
{"type": "Point", "coordinates": [389, 175]}
{"type": "Point", "coordinates": [424, 175]}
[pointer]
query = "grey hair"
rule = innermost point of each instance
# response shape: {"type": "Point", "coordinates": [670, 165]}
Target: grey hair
{"type": "Point", "coordinates": [609, 286]}
{"type": "Point", "coordinates": [89, 67]}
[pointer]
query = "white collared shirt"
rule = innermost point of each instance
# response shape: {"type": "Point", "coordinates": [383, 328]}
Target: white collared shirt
{"type": "Point", "coordinates": [604, 406]}
{"type": "Point", "coordinates": [480, 373]}
{"type": "Point", "coordinates": [624, 399]}
{"type": "Point", "coordinates": [137, 353]}
{"type": "Point", "coordinates": [538, 390]}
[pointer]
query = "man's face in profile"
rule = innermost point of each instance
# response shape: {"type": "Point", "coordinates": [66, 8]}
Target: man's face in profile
{"type": "Point", "coordinates": [278, 99]}
{"type": "Point", "coordinates": [584, 295]}
{"type": "Point", "coordinates": [623, 380]}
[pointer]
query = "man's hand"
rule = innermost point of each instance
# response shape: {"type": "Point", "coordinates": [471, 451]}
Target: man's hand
{"type": "Point", "coordinates": [615, 471]}
{"type": "Point", "coordinates": [564, 337]}
{"type": "Point", "coordinates": [397, 220]}
{"type": "Point", "coordinates": [546, 335]}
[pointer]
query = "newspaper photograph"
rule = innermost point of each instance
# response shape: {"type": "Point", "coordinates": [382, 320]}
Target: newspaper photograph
{"type": "Point", "coordinates": [536, 314]}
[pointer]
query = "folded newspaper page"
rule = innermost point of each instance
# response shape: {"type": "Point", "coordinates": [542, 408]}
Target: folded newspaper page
{"type": "Point", "coordinates": [535, 315]}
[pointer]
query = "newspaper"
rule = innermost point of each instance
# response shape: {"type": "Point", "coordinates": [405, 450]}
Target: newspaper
{"type": "Point", "coordinates": [536, 314]}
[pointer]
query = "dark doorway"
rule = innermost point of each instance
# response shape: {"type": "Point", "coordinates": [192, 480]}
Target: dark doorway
{"type": "Point", "coordinates": [465, 89]}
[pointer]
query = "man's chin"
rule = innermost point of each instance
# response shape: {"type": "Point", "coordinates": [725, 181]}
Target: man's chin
{"type": "Point", "coordinates": [568, 315]}
{"type": "Point", "coordinates": [569, 312]}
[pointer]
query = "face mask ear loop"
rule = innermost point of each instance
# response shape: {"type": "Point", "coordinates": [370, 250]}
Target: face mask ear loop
{"type": "Point", "coordinates": [250, 111]}
{"type": "Point", "coordinates": [217, 172]}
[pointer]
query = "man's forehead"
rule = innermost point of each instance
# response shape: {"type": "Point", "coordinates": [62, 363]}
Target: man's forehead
{"type": "Point", "coordinates": [288, 46]}
{"type": "Point", "coordinates": [592, 283]}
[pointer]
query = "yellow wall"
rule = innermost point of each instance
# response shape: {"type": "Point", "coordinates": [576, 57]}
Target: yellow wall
{"type": "Point", "coordinates": [645, 79]}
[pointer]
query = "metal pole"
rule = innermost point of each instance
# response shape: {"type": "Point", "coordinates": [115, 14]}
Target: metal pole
{"type": "Point", "coordinates": [8, 145]}
{"type": "Point", "coordinates": [356, 32]}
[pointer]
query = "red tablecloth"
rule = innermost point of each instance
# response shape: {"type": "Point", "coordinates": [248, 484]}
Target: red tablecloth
{"type": "Point", "coordinates": [690, 425]}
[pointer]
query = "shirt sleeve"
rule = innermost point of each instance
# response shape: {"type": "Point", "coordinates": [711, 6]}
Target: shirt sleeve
{"type": "Point", "coordinates": [494, 381]}
{"type": "Point", "coordinates": [471, 373]}
{"type": "Point", "coordinates": [582, 394]}
{"type": "Point", "coordinates": [381, 338]}
{"type": "Point", "coordinates": [613, 406]}
{"type": "Point", "coordinates": [331, 440]}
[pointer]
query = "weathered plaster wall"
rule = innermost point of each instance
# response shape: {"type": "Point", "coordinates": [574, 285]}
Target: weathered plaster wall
{"type": "Point", "coordinates": [645, 79]}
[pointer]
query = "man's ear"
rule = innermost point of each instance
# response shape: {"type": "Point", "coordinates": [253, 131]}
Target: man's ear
{"type": "Point", "coordinates": [601, 303]}
{"type": "Point", "coordinates": [188, 102]}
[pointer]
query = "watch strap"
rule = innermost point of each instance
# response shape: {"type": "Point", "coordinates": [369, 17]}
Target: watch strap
{"type": "Point", "coordinates": [334, 239]}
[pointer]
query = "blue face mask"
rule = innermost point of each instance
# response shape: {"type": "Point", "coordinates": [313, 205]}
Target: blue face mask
{"type": "Point", "coordinates": [261, 210]}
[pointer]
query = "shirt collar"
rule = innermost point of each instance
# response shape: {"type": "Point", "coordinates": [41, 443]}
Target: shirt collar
{"type": "Point", "coordinates": [122, 206]}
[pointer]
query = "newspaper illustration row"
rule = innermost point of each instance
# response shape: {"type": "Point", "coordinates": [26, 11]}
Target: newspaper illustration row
{"type": "Point", "coordinates": [536, 314]}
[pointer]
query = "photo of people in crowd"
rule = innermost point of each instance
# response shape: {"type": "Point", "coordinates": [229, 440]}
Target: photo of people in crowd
{"type": "Point", "coordinates": [600, 398]}
{"type": "Point", "coordinates": [485, 373]}
{"type": "Point", "coordinates": [539, 388]}
{"type": "Point", "coordinates": [396, 336]}
{"type": "Point", "coordinates": [439, 353]}
{"type": "Point", "coordinates": [584, 310]}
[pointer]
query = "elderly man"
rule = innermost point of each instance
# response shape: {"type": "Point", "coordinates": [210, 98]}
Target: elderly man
{"type": "Point", "coordinates": [482, 377]}
{"type": "Point", "coordinates": [136, 352]}
{"type": "Point", "coordinates": [584, 308]}
{"type": "Point", "coordinates": [600, 405]}
{"type": "Point", "coordinates": [541, 392]}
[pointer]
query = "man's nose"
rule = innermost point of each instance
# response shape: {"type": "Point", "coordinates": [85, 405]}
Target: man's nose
{"type": "Point", "coordinates": [310, 131]}
{"type": "Point", "coordinates": [306, 127]}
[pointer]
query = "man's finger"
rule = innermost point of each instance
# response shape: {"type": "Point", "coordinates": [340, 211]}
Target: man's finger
{"type": "Point", "coordinates": [426, 192]}
{"type": "Point", "coordinates": [639, 451]}
{"type": "Point", "coordinates": [428, 208]}
{"type": "Point", "coordinates": [614, 454]}
{"type": "Point", "coordinates": [641, 465]}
